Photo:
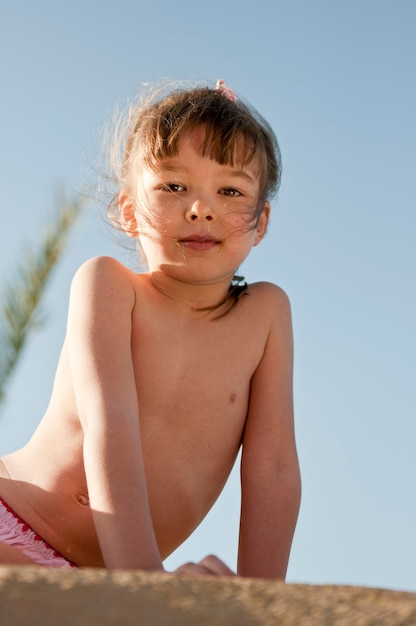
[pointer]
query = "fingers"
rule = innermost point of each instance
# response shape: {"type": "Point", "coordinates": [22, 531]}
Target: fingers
{"type": "Point", "coordinates": [192, 569]}
{"type": "Point", "coordinates": [216, 566]}
{"type": "Point", "coordinates": [12, 556]}
{"type": "Point", "coordinates": [208, 566]}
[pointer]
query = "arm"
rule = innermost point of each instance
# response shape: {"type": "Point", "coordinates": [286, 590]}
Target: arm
{"type": "Point", "coordinates": [270, 476]}
{"type": "Point", "coordinates": [99, 347]}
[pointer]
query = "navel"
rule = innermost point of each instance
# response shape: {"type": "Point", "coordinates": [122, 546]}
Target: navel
{"type": "Point", "coordinates": [83, 499]}
{"type": "Point", "coordinates": [233, 397]}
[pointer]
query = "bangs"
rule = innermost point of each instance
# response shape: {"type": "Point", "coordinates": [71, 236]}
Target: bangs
{"type": "Point", "coordinates": [231, 134]}
{"type": "Point", "coordinates": [226, 144]}
{"type": "Point", "coordinates": [234, 134]}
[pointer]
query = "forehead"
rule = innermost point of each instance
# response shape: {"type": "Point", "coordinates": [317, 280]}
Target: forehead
{"type": "Point", "coordinates": [206, 142]}
{"type": "Point", "coordinates": [194, 145]}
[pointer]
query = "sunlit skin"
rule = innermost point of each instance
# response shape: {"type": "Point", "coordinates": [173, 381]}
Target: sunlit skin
{"type": "Point", "coordinates": [195, 205]}
{"type": "Point", "coordinates": [154, 394]}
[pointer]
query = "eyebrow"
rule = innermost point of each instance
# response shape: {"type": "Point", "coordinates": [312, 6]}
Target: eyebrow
{"type": "Point", "coordinates": [229, 172]}
{"type": "Point", "coordinates": [242, 174]}
{"type": "Point", "coordinates": [165, 166]}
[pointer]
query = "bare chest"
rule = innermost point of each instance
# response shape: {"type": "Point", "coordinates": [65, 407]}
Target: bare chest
{"type": "Point", "coordinates": [193, 380]}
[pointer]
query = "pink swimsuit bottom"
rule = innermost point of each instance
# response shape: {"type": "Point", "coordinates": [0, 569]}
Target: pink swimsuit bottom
{"type": "Point", "coordinates": [15, 532]}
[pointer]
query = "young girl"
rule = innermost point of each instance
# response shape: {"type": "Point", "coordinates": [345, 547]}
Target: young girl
{"type": "Point", "coordinates": [163, 375]}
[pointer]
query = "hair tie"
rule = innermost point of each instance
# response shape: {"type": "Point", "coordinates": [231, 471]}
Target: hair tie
{"type": "Point", "coordinates": [225, 91]}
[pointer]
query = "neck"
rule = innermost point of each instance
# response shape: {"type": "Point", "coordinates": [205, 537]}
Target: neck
{"type": "Point", "coordinates": [194, 297]}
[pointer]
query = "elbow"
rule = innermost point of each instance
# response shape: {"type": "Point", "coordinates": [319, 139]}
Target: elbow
{"type": "Point", "coordinates": [290, 480]}
{"type": "Point", "coordinates": [283, 481]}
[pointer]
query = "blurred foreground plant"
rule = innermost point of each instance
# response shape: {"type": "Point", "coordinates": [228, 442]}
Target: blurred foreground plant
{"type": "Point", "coordinates": [22, 294]}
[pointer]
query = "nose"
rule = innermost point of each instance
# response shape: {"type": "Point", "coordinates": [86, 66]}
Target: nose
{"type": "Point", "coordinates": [200, 210]}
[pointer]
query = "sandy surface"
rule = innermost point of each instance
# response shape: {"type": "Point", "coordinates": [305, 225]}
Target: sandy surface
{"type": "Point", "coordinates": [41, 596]}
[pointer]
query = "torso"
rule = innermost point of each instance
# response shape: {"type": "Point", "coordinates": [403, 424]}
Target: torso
{"type": "Point", "coordinates": [193, 380]}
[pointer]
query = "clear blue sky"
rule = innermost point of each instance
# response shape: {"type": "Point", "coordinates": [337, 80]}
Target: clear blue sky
{"type": "Point", "coordinates": [337, 82]}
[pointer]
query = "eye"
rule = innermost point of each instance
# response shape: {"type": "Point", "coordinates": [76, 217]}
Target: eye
{"type": "Point", "coordinates": [172, 187]}
{"type": "Point", "coordinates": [231, 192]}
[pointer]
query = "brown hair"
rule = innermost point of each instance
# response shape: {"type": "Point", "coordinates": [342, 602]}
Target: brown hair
{"type": "Point", "coordinates": [234, 132]}
{"type": "Point", "coordinates": [155, 125]}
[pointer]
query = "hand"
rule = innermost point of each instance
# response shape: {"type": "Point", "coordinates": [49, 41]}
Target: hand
{"type": "Point", "coordinates": [209, 566]}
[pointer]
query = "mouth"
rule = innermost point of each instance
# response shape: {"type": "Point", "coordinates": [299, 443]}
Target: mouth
{"type": "Point", "coordinates": [198, 242]}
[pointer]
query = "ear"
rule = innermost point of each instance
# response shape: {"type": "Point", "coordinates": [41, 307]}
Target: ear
{"type": "Point", "coordinates": [128, 215]}
{"type": "Point", "coordinates": [262, 223]}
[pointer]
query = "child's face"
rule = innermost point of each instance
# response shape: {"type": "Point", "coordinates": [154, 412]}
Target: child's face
{"type": "Point", "coordinates": [196, 218]}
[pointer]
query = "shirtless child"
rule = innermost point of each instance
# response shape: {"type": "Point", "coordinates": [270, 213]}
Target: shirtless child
{"type": "Point", "coordinates": [163, 375]}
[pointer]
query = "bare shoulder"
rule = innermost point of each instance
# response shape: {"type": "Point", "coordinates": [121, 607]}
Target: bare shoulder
{"type": "Point", "coordinates": [102, 289]}
{"type": "Point", "coordinates": [268, 290]}
{"type": "Point", "coordinates": [269, 298]}
{"type": "Point", "coordinates": [102, 266]}
{"type": "Point", "coordinates": [104, 274]}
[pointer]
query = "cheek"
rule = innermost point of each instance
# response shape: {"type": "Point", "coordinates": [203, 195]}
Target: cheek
{"type": "Point", "coordinates": [241, 223]}
{"type": "Point", "coordinates": [159, 209]}
{"type": "Point", "coordinates": [152, 220]}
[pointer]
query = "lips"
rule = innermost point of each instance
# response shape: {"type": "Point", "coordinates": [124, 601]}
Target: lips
{"type": "Point", "coordinates": [199, 242]}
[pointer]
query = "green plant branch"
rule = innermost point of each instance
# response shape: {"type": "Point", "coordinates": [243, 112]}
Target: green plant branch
{"type": "Point", "coordinates": [22, 294]}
